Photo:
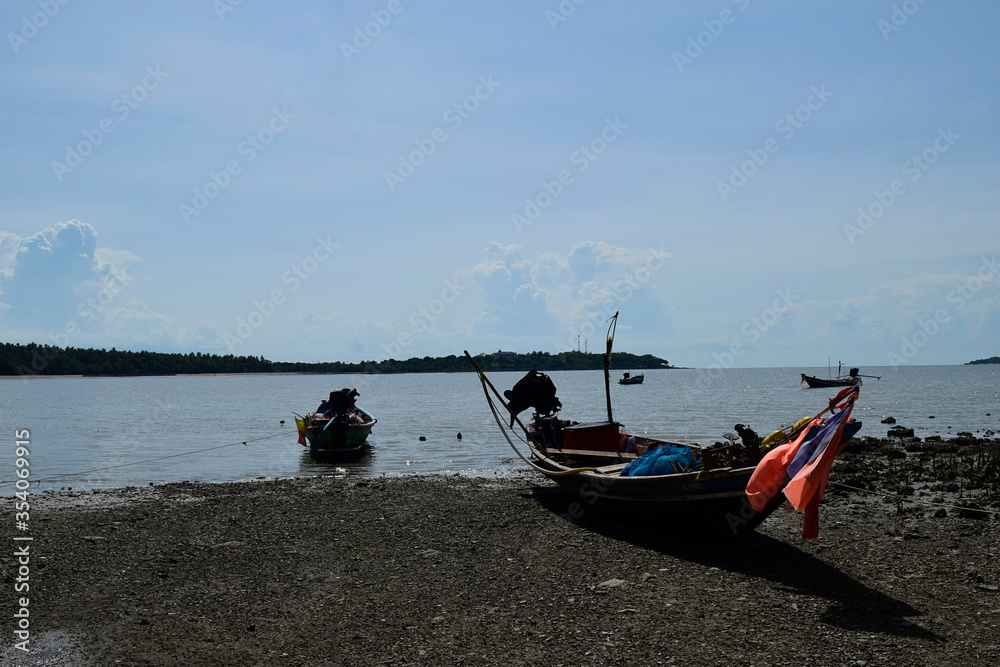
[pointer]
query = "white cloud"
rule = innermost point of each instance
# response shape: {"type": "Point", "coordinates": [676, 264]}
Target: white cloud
{"type": "Point", "coordinates": [60, 287]}
{"type": "Point", "coordinates": [560, 295]}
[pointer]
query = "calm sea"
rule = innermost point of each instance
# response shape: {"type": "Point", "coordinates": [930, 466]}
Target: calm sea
{"type": "Point", "coordinates": [111, 432]}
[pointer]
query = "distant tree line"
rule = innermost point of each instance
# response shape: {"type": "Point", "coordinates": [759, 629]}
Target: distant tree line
{"type": "Point", "coordinates": [33, 359]}
{"type": "Point", "coordinates": [567, 361]}
{"type": "Point", "coordinates": [991, 360]}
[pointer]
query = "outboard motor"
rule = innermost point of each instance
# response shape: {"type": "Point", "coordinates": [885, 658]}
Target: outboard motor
{"type": "Point", "coordinates": [343, 400]}
{"type": "Point", "coordinates": [534, 390]}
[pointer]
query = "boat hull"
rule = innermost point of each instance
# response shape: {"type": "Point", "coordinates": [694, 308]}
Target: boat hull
{"type": "Point", "coordinates": [713, 500]}
{"type": "Point", "coordinates": [816, 383]}
{"type": "Point", "coordinates": [339, 441]}
{"type": "Point", "coordinates": [632, 380]}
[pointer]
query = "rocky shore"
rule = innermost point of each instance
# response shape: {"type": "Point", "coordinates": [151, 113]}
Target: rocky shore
{"type": "Point", "coordinates": [453, 570]}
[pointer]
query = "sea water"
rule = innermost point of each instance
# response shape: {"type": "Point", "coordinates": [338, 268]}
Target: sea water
{"type": "Point", "coordinates": [112, 432]}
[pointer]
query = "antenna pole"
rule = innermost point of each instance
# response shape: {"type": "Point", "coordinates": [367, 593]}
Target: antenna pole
{"type": "Point", "coordinates": [607, 363]}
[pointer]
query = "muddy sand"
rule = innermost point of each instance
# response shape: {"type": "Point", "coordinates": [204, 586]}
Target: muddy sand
{"type": "Point", "coordinates": [491, 571]}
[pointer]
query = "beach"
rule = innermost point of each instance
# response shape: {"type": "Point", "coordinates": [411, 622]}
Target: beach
{"type": "Point", "coordinates": [447, 570]}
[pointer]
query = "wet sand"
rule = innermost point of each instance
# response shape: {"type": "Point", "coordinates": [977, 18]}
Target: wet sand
{"type": "Point", "coordinates": [452, 570]}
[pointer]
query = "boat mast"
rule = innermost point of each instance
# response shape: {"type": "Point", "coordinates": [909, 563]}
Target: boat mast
{"type": "Point", "coordinates": [607, 363]}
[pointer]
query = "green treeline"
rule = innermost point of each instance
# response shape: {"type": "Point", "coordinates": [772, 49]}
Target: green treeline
{"type": "Point", "coordinates": [33, 359]}
{"type": "Point", "coordinates": [991, 360]}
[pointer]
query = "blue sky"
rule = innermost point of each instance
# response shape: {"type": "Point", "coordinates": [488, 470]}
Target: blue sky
{"type": "Point", "coordinates": [749, 183]}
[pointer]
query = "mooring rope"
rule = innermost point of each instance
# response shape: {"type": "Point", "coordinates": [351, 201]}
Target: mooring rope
{"type": "Point", "coordinates": [504, 428]}
{"type": "Point", "coordinates": [158, 458]}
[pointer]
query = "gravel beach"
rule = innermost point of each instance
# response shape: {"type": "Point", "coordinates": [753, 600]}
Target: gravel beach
{"type": "Point", "coordinates": [454, 570]}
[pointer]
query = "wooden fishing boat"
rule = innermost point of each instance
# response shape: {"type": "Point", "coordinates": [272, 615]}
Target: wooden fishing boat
{"type": "Point", "coordinates": [336, 439]}
{"type": "Point", "coordinates": [852, 379]}
{"type": "Point", "coordinates": [816, 383]}
{"type": "Point", "coordinates": [592, 461]}
{"type": "Point", "coordinates": [631, 379]}
{"type": "Point", "coordinates": [338, 430]}
{"type": "Point", "coordinates": [603, 465]}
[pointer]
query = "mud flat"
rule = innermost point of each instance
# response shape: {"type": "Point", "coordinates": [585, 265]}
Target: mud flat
{"type": "Point", "coordinates": [453, 570]}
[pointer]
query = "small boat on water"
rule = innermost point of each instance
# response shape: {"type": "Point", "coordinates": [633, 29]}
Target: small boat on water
{"type": "Point", "coordinates": [852, 379]}
{"type": "Point", "coordinates": [631, 379]}
{"type": "Point", "coordinates": [338, 430]}
{"type": "Point", "coordinates": [603, 464]}
{"type": "Point", "coordinates": [816, 383]}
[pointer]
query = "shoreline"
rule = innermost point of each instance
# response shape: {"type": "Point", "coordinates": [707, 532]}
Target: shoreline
{"type": "Point", "coordinates": [26, 376]}
{"type": "Point", "coordinates": [280, 373]}
{"type": "Point", "coordinates": [439, 569]}
{"type": "Point", "coordinates": [861, 447]}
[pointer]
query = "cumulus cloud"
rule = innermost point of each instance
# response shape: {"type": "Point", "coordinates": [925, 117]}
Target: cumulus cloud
{"type": "Point", "coordinates": [60, 286]}
{"type": "Point", "coordinates": [48, 275]}
{"type": "Point", "coordinates": [565, 295]}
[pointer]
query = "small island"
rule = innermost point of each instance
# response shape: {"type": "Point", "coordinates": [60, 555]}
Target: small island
{"type": "Point", "coordinates": [34, 359]}
{"type": "Point", "coordinates": [991, 360]}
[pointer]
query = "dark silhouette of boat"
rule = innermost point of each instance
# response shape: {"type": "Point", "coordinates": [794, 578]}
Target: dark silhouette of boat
{"type": "Point", "coordinates": [632, 379]}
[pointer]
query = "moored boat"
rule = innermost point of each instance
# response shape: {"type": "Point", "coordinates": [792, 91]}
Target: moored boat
{"type": "Point", "coordinates": [816, 383]}
{"type": "Point", "coordinates": [602, 464]}
{"type": "Point", "coordinates": [852, 379]}
{"type": "Point", "coordinates": [338, 430]}
{"type": "Point", "coordinates": [631, 379]}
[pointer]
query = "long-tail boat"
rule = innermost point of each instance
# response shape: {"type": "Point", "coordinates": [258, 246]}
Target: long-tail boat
{"type": "Point", "coordinates": [603, 464]}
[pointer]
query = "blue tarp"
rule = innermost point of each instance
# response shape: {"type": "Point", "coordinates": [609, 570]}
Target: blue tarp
{"type": "Point", "coordinates": [666, 459]}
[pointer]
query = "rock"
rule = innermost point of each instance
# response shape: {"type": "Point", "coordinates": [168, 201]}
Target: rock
{"type": "Point", "coordinates": [900, 432]}
{"type": "Point", "coordinates": [611, 583]}
{"type": "Point", "coordinates": [889, 420]}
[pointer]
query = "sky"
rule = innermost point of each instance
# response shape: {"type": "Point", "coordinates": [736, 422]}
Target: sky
{"type": "Point", "coordinates": [749, 183]}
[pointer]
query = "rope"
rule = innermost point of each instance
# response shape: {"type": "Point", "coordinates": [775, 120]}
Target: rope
{"type": "Point", "coordinates": [926, 503]}
{"type": "Point", "coordinates": [158, 458]}
{"type": "Point", "coordinates": [483, 380]}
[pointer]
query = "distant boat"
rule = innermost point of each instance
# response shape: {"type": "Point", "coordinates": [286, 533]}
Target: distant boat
{"type": "Point", "coordinates": [815, 383]}
{"type": "Point", "coordinates": [631, 379]}
{"type": "Point", "coordinates": [339, 433]}
{"type": "Point", "coordinates": [853, 378]}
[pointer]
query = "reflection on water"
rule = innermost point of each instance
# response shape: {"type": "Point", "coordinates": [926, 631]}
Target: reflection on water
{"type": "Point", "coordinates": [129, 431]}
